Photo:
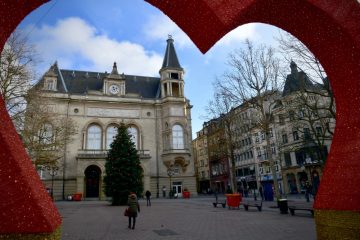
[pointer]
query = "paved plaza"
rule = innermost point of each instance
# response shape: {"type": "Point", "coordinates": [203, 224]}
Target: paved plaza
{"type": "Point", "coordinates": [185, 219]}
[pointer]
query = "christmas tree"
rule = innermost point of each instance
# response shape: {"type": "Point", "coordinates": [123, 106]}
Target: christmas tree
{"type": "Point", "coordinates": [123, 170]}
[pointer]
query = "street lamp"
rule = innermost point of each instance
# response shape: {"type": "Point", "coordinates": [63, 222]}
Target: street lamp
{"type": "Point", "coordinates": [53, 171]}
{"type": "Point", "coordinates": [170, 173]}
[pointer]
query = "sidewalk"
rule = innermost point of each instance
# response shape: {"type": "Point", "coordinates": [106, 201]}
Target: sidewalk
{"type": "Point", "coordinates": [193, 218]}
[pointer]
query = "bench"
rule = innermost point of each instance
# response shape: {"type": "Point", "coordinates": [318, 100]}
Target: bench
{"type": "Point", "coordinates": [257, 204]}
{"type": "Point", "coordinates": [292, 208]}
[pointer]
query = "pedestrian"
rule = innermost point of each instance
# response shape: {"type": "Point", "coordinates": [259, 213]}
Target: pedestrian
{"type": "Point", "coordinates": [261, 193]}
{"type": "Point", "coordinates": [134, 208]}
{"type": "Point", "coordinates": [148, 195]}
{"type": "Point", "coordinates": [307, 191]}
{"type": "Point", "coordinates": [164, 191]}
{"type": "Point", "coordinates": [246, 192]}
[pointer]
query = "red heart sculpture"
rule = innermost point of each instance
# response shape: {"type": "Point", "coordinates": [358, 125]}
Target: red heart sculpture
{"type": "Point", "coordinates": [330, 29]}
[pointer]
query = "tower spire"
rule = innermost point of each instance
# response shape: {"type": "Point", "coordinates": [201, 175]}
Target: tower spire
{"type": "Point", "coordinates": [170, 58]}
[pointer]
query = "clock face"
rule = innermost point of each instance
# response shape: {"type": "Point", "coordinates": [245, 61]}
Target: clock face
{"type": "Point", "coordinates": [114, 89]}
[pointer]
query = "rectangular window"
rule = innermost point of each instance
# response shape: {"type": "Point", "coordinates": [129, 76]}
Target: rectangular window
{"type": "Point", "coordinates": [281, 119]}
{"type": "Point", "coordinates": [284, 138]}
{"type": "Point", "coordinates": [295, 135]}
{"type": "Point", "coordinates": [319, 131]}
{"type": "Point", "coordinates": [307, 134]}
{"type": "Point", "coordinates": [273, 148]}
{"type": "Point", "coordinates": [49, 84]}
{"type": "Point", "coordinates": [287, 158]}
{"type": "Point", "coordinates": [300, 157]}
{"type": "Point", "coordinates": [174, 75]}
{"type": "Point", "coordinates": [41, 173]}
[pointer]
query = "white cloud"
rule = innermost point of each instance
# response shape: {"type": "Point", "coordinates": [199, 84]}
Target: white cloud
{"type": "Point", "coordinates": [73, 42]}
{"type": "Point", "coordinates": [158, 27]}
{"type": "Point", "coordinates": [239, 34]}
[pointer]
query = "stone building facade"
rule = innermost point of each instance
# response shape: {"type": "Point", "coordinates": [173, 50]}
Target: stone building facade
{"type": "Point", "coordinates": [155, 110]}
{"type": "Point", "coordinates": [201, 159]}
{"type": "Point", "coordinates": [299, 138]}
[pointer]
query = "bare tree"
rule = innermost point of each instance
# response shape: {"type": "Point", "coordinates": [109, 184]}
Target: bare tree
{"type": "Point", "coordinates": [45, 132]}
{"type": "Point", "coordinates": [17, 72]}
{"type": "Point", "coordinates": [222, 107]}
{"type": "Point", "coordinates": [254, 80]}
{"type": "Point", "coordinates": [294, 50]}
{"type": "Point", "coordinates": [314, 103]}
{"type": "Point", "coordinates": [311, 119]}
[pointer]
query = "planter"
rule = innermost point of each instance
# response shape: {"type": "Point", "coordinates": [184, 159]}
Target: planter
{"type": "Point", "coordinates": [77, 197]}
{"type": "Point", "coordinates": [186, 194]}
{"type": "Point", "coordinates": [233, 200]}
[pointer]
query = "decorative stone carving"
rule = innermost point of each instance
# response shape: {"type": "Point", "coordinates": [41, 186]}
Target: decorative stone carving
{"type": "Point", "coordinates": [113, 112]}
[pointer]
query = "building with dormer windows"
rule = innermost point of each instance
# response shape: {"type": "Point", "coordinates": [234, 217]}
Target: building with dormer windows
{"type": "Point", "coordinates": [155, 110]}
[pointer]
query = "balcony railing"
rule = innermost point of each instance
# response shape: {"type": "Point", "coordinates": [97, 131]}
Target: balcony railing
{"type": "Point", "coordinates": [91, 153]}
{"type": "Point", "coordinates": [180, 151]}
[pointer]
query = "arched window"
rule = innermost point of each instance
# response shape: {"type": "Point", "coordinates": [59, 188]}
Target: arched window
{"type": "Point", "coordinates": [46, 134]}
{"type": "Point", "coordinates": [94, 137]}
{"type": "Point", "coordinates": [134, 133]}
{"type": "Point", "coordinates": [177, 137]}
{"type": "Point", "coordinates": [111, 132]}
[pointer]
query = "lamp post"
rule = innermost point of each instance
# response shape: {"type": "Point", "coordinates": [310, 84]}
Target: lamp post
{"type": "Point", "coordinates": [170, 173]}
{"type": "Point", "coordinates": [53, 171]}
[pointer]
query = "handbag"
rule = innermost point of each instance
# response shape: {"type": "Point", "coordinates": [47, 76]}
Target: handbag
{"type": "Point", "coordinates": [126, 213]}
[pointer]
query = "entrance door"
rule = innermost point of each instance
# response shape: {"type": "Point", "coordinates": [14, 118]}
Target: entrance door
{"type": "Point", "coordinates": [92, 178]}
{"type": "Point", "coordinates": [177, 188]}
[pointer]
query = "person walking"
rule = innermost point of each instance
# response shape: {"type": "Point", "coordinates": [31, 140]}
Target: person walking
{"type": "Point", "coordinates": [307, 191]}
{"type": "Point", "coordinates": [261, 193]}
{"type": "Point", "coordinates": [164, 191]}
{"type": "Point", "coordinates": [148, 195]}
{"type": "Point", "coordinates": [134, 208]}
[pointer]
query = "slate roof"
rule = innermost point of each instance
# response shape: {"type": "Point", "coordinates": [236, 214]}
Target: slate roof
{"type": "Point", "coordinates": [170, 58]}
{"type": "Point", "coordinates": [297, 81]}
{"type": "Point", "coordinates": [81, 82]}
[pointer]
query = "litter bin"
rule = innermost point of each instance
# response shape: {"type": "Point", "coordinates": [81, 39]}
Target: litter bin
{"type": "Point", "coordinates": [283, 206]}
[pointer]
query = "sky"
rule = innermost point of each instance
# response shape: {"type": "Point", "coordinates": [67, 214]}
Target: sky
{"type": "Point", "coordinates": [90, 36]}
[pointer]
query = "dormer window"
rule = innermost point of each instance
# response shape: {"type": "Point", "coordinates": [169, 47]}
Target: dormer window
{"type": "Point", "coordinates": [50, 84]}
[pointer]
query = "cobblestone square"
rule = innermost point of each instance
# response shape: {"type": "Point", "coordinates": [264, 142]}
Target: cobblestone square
{"type": "Point", "coordinates": [190, 219]}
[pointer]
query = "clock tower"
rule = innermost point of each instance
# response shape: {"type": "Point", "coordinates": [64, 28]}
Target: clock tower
{"type": "Point", "coordinates": [114, 83]}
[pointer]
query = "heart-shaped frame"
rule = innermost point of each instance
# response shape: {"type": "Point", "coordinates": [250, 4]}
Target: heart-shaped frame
{"type": "Point", "coordinates": [330, 29]}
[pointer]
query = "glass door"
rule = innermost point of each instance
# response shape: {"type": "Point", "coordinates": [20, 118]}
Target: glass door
{"type": "Point", "coordinates": [177, 189]}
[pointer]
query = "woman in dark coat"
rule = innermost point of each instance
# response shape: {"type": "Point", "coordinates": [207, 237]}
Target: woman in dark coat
{"type": "Point", "coordinates": [134, 208]}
